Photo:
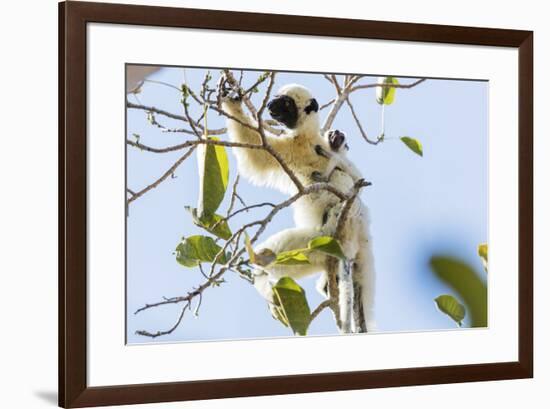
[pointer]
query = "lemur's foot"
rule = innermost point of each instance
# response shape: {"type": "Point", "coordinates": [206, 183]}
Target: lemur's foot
{"type": "Point", "coordinates": [317, 176]}
{"type": "Point", "coordinates": [321, 152]}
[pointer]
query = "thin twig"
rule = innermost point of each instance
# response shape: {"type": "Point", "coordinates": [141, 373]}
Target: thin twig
{"type": "Point", "coordinates": [329, 103]}
{"type": "Point", "coordinates": [248, 208]}
{"type": "Point", "coordinates": [360, 127]}
{"type": "Point", "coordinates": [404, 86]}
{"type": "Point", "coordinates": [171, 115]}
{"type": "Point", "coordinates": [188, 144]}
{"type": "Point", "coordinates": [319, 309]}
{"type": "Point", "coordinates": [169, 331]}
{"type": "Point", "coordinates": [164, 176]}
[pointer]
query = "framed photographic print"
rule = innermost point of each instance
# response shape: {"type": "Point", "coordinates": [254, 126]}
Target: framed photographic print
{"type": "Point", "coordinates": [257, 204]}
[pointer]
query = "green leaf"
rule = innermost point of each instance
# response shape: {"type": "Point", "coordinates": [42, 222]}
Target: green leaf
{"type": "Point", "coordinates": [292, 257]}
{"type": "Point", "coordinates": [214, 176]}
{"type": "Point", "coordinates": [450, 306]}
{"type": "Point", "coordinates": [482, 250]}
{"type": "Point", "coordinates": [292, 305]}
{"type": "Point", "coordinates": [325, 244]}
{"type": "Point", "coordinates": [198, 249]}
{"type": "Point", "coordinates": [386, 95]}
{"type": "Point", "coordinates": [214, 224]}
{"type": "Point", "coordinates": [328, 245]}
{"type": "Point", "coordinates": [468, 285]}
{"type": "Point", "coordinates": [413, 144]}
{"type": "Point", "coordinates": [249, 249]}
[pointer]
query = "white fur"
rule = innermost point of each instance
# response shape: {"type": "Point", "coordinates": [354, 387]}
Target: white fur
{"type": "Point", "coordinates": [297, 148]}
{"type": "Point", "coordinates": [340, 160]}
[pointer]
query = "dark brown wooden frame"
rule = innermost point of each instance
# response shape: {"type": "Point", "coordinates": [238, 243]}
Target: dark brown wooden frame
{"type": "Point", "coordinates": [73, 389]}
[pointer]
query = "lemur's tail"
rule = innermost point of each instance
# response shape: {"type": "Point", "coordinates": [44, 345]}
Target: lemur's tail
{"type": "Point", "coordinates": [363, 279]}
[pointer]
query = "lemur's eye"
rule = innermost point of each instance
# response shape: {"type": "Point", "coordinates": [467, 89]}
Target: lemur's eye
{"type": "Point", "coordinates": [287, 102]}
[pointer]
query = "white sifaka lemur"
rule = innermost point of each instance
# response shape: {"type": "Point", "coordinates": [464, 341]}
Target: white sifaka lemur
{"type": "Point", "coordinates": [312, 157]}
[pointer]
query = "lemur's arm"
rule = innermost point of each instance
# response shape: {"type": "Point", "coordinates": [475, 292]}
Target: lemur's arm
{"type": "Point", "coordinates": [256, 160]}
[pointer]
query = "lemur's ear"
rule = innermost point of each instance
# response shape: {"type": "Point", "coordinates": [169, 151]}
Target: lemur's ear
{"type": "Point", "coordinates": [313, 106]}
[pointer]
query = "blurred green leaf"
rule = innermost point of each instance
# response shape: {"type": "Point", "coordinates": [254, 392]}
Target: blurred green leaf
{"type": "Point", "coordinates": [450, 306]}
{"type": "Point", "coordinates": [482, 250]}
{"type": "Point", "coordinates": [386, 95]}
{"type": "Point", "coordinates": [292, 257]}
{"type": "Point", "coordinates": [328, 245]}
{"type": "Point", "coordinates": [467, 284]}
{"type": "Point", "coordinates": [214, 224]}
{"type": "Point", "coordinates": [214, 176]}
{"type": "Point", "coordinates": [264, 257]}
{"type": "Point", "coordinates": [413, 144]}
{"type": "Point", "coordinates": [292, 305]}
{"type": "Point", "coordinates": [198, 249]}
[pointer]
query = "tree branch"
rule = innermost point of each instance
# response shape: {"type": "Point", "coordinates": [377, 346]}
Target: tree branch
{"type": "Point", "coordinates": [170, 115]}
{"type": "Point", "coordinates": [169, 331]}
{"type": "Point", "coordinates": [214, 277]}
{"type": "Point", "coordinates": [164, 176]}
{"type": "Point", "coordinates": [319, 309]}
{"type": "Point", "coordinates": [343, 94]}
{"type": "Point", "coordinates": [360, 127]}
{"type": "Point", "coordinates": [404, 86]}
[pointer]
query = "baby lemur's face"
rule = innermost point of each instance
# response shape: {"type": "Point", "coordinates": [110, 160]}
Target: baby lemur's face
{"type": "Point", "coordinates": [291, 105]}
{"type": "Point", "coordinates": [337, 140]}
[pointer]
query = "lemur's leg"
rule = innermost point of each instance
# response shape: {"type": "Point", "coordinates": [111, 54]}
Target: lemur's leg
{"type": "Point", "coordinates": [262, 285]}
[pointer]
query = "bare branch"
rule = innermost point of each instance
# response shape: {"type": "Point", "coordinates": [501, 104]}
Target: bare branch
{"type": "Point", "coordinates": [170, 115]}
{"type": "Point", "coordinates": [260, 79]}
{"type": "Point", "coordinates": [404, 86]}
{"type": "Point", "coordinates": [248, 208]}
{"type": "Point", "coordinates": [319, 309]}
{"type": "Point", "coordinates": [329, 103]}
{"type": "Point", "coordinates": [266, 99]}
{"type": "Point", "coordinates": [153, 121]}
{"type": "Point", "coordinates": [163, 83]}
{"type": "Point", "coordinates": [169, 331]}
{"type": "Point", "coordinates": [343, 94]}
{"type": "Point", "coordinates": [187, 144]}
{"type": "Point", "coordinates": [164, 176]}
{"type": "Point", "coordinates": [233, 195]}
{"type": "Point", "coordinates": [360, 127]}
{"type": "Point", "coordinates": [194, 125]}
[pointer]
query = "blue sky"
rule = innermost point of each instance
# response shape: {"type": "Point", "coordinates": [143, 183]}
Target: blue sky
{"type": "Point", "coordinates": [419, 206]}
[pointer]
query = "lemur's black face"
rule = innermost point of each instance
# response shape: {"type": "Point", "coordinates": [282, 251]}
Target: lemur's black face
{"type": "Point", "coordinates": [283, 109]}
{"type": "Point", "coordinates": [337, 140]}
